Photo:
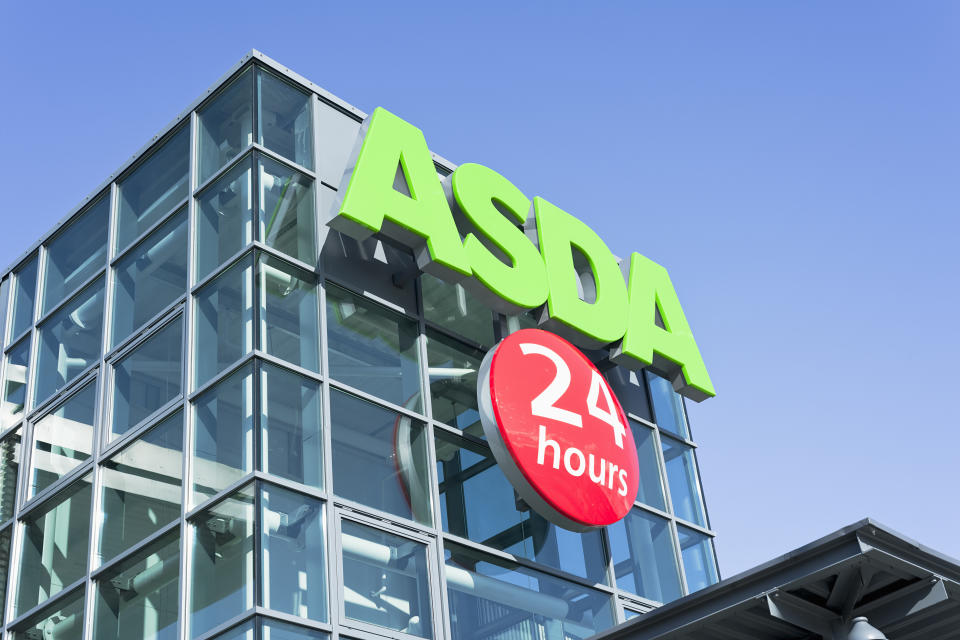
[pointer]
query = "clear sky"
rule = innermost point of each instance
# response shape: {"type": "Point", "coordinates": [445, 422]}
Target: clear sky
{"type": "Point", "coordinates": [796, 167]}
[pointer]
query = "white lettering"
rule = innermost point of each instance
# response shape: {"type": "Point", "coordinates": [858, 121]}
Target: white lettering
{"type": "Point", "coordinates": [542, 445]}
{"type": "Point", "coordinates": [623, 482]}
{"type": "Point", "coordinates": [597, 477]}
{"type": "Point", "coordinates": [573, 451]}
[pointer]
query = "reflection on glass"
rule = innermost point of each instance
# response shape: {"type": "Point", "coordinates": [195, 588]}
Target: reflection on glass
{"type": "Point", "coordinates": [138, 598]}
{"type": "Point", "coordinates": [478, 502]}
{"type": "Point", "coordinates": [15, 383]}
{"type": "Point", "coordinates": [651, 488]}
{"type": "Point", "coordinates": [631, 391]}
{"type": "Point", "coordinates": [4, 300]}
{"type": "Point", "coordinates": [379, 458]}
{"type": "Point", "coordinates": [224, 317]}
{"type": "Point", "coordinates": [70, 341]}
{"type": "Point", "coordinates": [226, 125]}
{"type": "Point", "coordinates": [385, 580]}
{"type": "Point", "coordinates": [682, 480]}
{"type": "Point", "coordinates": [150, 277]}
{"type": "Point", "coordinates": [9, 469]}
{"type": "Point", "coordinates": [154, 188]}
{"type": "Point", "coordinates": [453, 307]}
{"type": "Point", "coordinates": [141, 487]}
{"type": "Point", "coordinates": [24, 293]}
{"type": "Point", "coordinates": [62, 621]}
{"type": "Point", "coordinates": [699, 563]}
{"type": "Point", "coordinates": [54, 553]}
{"type": "Point", "coordinates": [243, 631]}
{"type": "Point", "coordinates": [222, 566]}
{"type": "Point", "coordinates": [373, 349]}
{"type": "Point", "coordinates": [4, 553]}
{"type": "Point", "coordinates": [289, 313]}
{"type": "Point", "coordinates": [453, 382]}
{"type": "Point", "coordinates": [274, 630]}
{"type": "Point", "coordinates": [293, 553]}
{"type": "Point", "coordinates": [76, 254]}
{"type": "Point", "coordinates": [223, 434]}
{"type": "Point", "coordinates": [290, 422]}
{"type": "Point", "coordinates": [283, 122]}
{"type": "Point", "coordinates": [667, 406]}
{"type": "Point", "coordinates": [225, 217]}
{"type": "Point", "coordinates": [630, 614]}
{"type": "Point", "coordinates": [483, 590]}
{"type": "Point", "coordinates": [147, 378]}
{"type": "Point", "coordinates": [286, 210]}
{"type": "Point", "coordinates": [643, 557]}
{"type": "Point", "coordinates": [63, 438]}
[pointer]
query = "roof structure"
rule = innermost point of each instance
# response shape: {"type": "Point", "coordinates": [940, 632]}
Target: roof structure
{"type": "Point", "coordinates": [905, 590]}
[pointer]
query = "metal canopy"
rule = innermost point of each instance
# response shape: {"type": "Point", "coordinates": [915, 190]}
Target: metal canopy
{"type": "Point", "coordinates": [905, 590]}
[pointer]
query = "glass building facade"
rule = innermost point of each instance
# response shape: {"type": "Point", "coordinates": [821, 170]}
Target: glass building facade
{"type": "Point", "coordinates": [220, 419]}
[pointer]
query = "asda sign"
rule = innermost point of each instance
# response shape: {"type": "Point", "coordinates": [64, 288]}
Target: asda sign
{"type": "Point", "coordinates": [516, 254]}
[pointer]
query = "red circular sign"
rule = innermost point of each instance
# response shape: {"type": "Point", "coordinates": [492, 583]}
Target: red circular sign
{"type": "Point", "coordinates": [557, 430]}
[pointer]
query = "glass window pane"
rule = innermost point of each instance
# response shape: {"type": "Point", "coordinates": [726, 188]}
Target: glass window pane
{"type": "Point", "coordinates": [286, 210]}
{"type": "Point", "coordinates": [385, 580]}
{"type": "Point", "coordinates": [699, 563]}
{"type": "Point", "coordinates": [631, 391]}
{"type": "Point", "coordinates": [453, 382]}
{"type": "Point", "coordinates": [139, 597]}
{"type": "Point", "coordinates": [150, 277]}
{"type": "Point", "coordinates": [284, 119]}
{"type": "Point", "coordinates": [63, 621]}
{"type": "Point", "coordinates": [226, 125]}
{"type": "Point", "coordinates": [373, 349]}
{"type": "Point", "coordinates": [223, 434]}
{"type": "Point", "coordinates": [63, 438]}
{"type": "Point", "coordinates": [643, 557]}
{"type": "Point", "coordinates": [483, 590]}
{"type": "Point", "coordinates": [290, 420]}
{"type": "Point", "coordinates": [454, 308]}
{"type": "Point", "coordinates": [667, 406]}
{"type": "Point", "coordinates": [289, 313]}
{"type": "Point", "coordinates": [15, 374]}
{"type": "Point", "coordinates": [24, 293]}
{"type": "Point", "coordinates": [379, 458]}
{"type": "Point", "coordinates": [651, 488]}
{"type": "Point", "coordinates": [154, 188]}
{"type": "Point", "coordinates": [294, 567]}
{"type": "Point", "coordinates": [225, 217]}
{"type": "Point", "coordinates": [682, 480]}
{"type": "Point", "coordinates": [9, 470]}
{"type": "Point", "coordinates": [54, 553]}
{"type": "Point", "coordinates": [76, 253]}
{"type": "Point", "coordinates": [274, 630]}
{"type": "Point", "coordinates": [148, 378]}
{"type": "Point", "coordinates": [224, 317]}
{"type": "Point", "coordinates": [70, 341]}
{"type": "Point", "coordinates": [141, 487]}
{"type": "Point", "coordinates": [4, 567]}
{"type": "Point", "coordinates": [243, 631]}
{"type": "Point", "coordinates": [222, 567]}
{"type": "Point", "coordinates": [478, 502]}
{"type": "Point", "coordinates": [4, 300]}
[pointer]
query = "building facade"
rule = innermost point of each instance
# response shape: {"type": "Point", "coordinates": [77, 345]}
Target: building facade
{"type": "Point", "coordinates": [221, 419]}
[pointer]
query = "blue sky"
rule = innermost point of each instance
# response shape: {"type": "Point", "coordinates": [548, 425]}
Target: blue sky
{"type": "Point", "coordinates": [794, 165]}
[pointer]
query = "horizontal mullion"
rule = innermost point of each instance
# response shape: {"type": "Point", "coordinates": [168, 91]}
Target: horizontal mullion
{"type": "Point", "coordinates": [386, 404]}
{"type": "Point", "coordinates": [291, 485]}
{"type": "Point", "coordinates": [130, 246]}
{"type": "Point", "coordinates": [161, 414]}
{"type": "Point", "coordinates": [223, 626]}
{"type": "Point", "coordinates": [273, 155]}
{"type": "Point", "coordinates": [360, 512]}
{"type": "Point", "coordinates": [43, 498]}
{"type": "Point", "coordinates": [224, 170]}
{"type": "Point", "coordinates": [52, 403]}
{"type": "Point", "coordinates": [69, 297]}
{"type": "Point", "coordinates": [15, 341]}
{"type": "Point", "coordinates": [135, 549]}
{"type": "Point", "coordinates": [218, 497]}
{"type": "Point", "coordinates": [696, 527]}
{"type": "Point", "coordinates": [294, 262]}
{"type": "Point", "coordinates": [144, 330]}
{"type": "Point", "coordinates": [222, 375]}
{"type": "Point", "coordinates": [65, 593]}
{"type": "Point", "coordinates": [280, 616]}
{"type": "Point", "coordinates": [263, 356]}
{"type": "Point", "coordinates": [448, 333]}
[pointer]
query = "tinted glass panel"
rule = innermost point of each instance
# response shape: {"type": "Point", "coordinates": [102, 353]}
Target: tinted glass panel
{"type": "Point", "coordinates": [289, 313]}
{"type": "Point", "coordinates": [273, 630]}
{"type": "Point", "coordinates": [54, 553]}
{"type": "Point", "coordinates": [290, 420]}
{"type": "Point", "coordinates": [9, 470]}
{"type": "Point", "coordinates": [224, 317]}
{"type": "Point", "coordinates": [63, 621]}
{"type": "Point", "coordinates": [453, 382]}
{"type": "Point", "coordinates": [286, 210]}
{"type": "Point", "coordinates": [4, 566]}
{"type": "Point", "coordinates": [631, 391]}
{"type": "Point", "coordinates": [4, 303]}
{"type": "Point", "coordinates": [373, 349]}
{"type": "Point", "coordinates": [139, 597]}
{"type": "Point", "coordinates": [24, 293]}
{"type": "Point", "coordinates": [225, 217]}
{"type": "Point", "coordinates": [244, 631]}
{"type": "Point", "coordinates": [454, 308]}
{"type": "Point", "coordinates": [150, 277]}
{"type": "Point", "coordinates": [294, 568]}
{"type": "Point", "coordinates": [667, 406]}
{"type": "Point", "coordinates": [226, 125]}
{"type": "Point", "coordinates": [15, 374]}
{"type": "Point", "coordinates": [223, 434]}
{"type": "Point", "coordinates": [76, 254]}
{"type": "Point", "coordinates": [154, 188]}
{"type": "Point", "coordinates": [643, 557]}
{"type": "Point", "coordinates": [651, 488]}
{"type": "Point", "coordinates": [699, 563]}
{"type": "Point", "coordinates": [400, 588]}
{"type": "Point", "coordinates": [284, 119]}
{"type": "Point", "coordinates": [682, 479]}
{"type": "Point", "coordinates": [148, 378]}
{"type": "Point", "coordinates": [141, 487]}
{"type": "Point", "coordinates": [478, 502]}
{"type": "Point", "coordinates": [70, 341]}
{"type": "Point", "coordinates": [379, 458]}
{"type": "Point", "coordinates": [63, 438]}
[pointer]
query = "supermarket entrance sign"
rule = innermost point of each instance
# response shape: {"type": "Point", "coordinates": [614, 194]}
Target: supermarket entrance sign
{"type": "Point", "coordinates": [475, 228]}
